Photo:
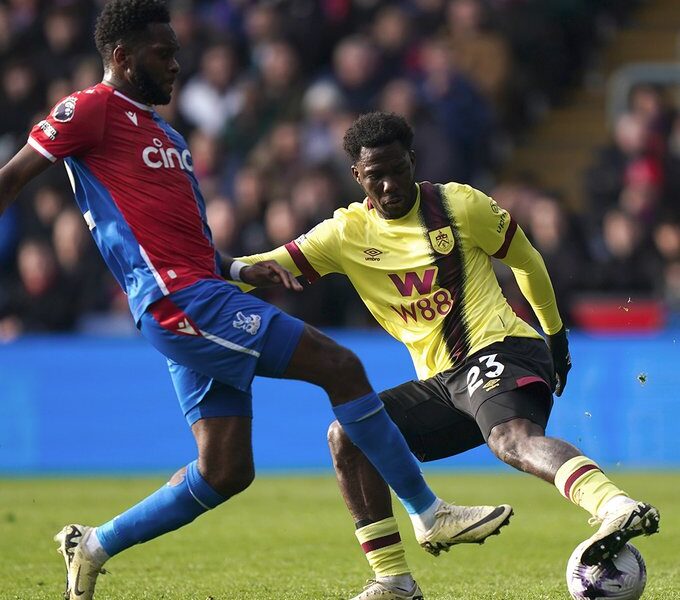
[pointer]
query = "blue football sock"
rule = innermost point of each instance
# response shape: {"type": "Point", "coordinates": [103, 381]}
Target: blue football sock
{"type": "Point", "coordinates": [165, 510]}
{"type": "Point", "coordinates": [370, 428]}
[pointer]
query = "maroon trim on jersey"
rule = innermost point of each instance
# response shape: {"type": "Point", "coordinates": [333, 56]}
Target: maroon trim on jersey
{"type": "Point", "coordinates": [509, 234]}
{"type": "Point", "coordinates": [302, 263]}
{"type": "Point", "coordinates": [522, 381]}
{"type": "Point", "coordinates": [450, 271]}
{"type": "Point", "coordinates": [580, 472]}
{"type": "Point", "coordinates": [171, 317]}
{"type": "Point", "coordinates": [381, 542]}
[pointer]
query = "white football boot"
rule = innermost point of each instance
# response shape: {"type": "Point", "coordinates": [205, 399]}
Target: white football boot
{"type": "Point", "coordinates": [463, 525]}
{"type": "Point", "coordinates": [617, 528]}
{"type": "Point", "coordinates": [81, 570]}
{"type": "Point", "coordinates": [377, 590]}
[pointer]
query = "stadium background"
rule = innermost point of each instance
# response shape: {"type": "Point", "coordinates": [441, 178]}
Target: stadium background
{"type": "Point", "coordinates": [265, 94]}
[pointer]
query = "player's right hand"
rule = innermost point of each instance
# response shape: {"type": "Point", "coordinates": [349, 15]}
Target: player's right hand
{"type": "Point", "coordinates": [559, 348]}
{"type": "Point", "coordinates": [269, 272]}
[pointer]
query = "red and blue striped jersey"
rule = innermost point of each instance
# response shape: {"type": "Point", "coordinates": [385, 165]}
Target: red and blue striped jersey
{"type": "Point", "coordinates": [133, 179]}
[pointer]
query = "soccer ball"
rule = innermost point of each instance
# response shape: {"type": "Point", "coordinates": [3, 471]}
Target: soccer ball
{"type": "Point", "coordinates": [623, 577]}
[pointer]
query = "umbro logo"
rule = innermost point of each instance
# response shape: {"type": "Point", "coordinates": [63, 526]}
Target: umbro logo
{"type": "Point", "coordinates": [132, 116]}
{"type": "Point", "coordinates": [372, 254]}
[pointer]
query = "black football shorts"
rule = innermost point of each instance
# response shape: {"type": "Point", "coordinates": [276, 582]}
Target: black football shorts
{"type": "Point", "coordinates": [456, 410]}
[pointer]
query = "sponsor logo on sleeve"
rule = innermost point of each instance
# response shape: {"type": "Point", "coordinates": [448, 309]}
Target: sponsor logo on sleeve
{"type": "Point", "coordinates": [48, 130]}
{"type": "Point", "coordinates": [64, 111]}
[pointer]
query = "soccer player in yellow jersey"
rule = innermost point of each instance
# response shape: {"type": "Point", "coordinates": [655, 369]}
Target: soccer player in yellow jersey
{"type": "Point", "coordinates": [419, 255]}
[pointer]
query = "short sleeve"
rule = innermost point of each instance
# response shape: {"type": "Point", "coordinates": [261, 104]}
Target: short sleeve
{"type": "Point", "coordinates": [74, 126]}
{"type": "Point", "coordinates": [491, 227]}
{"type": "Point", "coordinates": [318, 252]}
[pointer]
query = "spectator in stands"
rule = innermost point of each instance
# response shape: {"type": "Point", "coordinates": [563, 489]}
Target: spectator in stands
{"type": "Point", "coordinates": [552, 230]}
{"type": "Point", "coordinates": [279, 158]}
{"type": "Point", "coordinates": [481, 53]}
{"type": "Point", "coordinates": [314, 196]}
{"type": "Point", "coordinates": [392, 33]}
{"type": "Point", "coordinates": [356, 64]}
{"type": "Point", "coordinates": [625, 263]}
{"type": "Point", "coordinates": [211, 98]}
{"type": "Point", "coordinates": [321, 104]}
{"type": "Point", "coordinates": [80, 264]}
{"type": "Point", "coordinates": [281, 84]}
{"type": "Point", "coordinates": [462, 112]}
{"type": "Point", "coordinates": [43, 300]}
{"type": "Point", "coordinates": [438, 157]}
{"type": "Point", "coordinates": [20, 97]}
{"type": "Point", "coordinates": [223, 224]}
{"type": "Point", "coordinates": [66, 42]}
{"type": "Point", "coordinates": [605, 179]}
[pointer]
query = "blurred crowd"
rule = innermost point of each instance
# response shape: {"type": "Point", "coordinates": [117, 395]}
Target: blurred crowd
{"type": "Point", "coordinates": [266, 92]}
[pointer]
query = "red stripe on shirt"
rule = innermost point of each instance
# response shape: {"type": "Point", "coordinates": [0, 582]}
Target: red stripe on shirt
{"type": "Point", "coordinates": [509, 234]}
{"type": "Point", "coordinates": [301, 262]}
{"type": "Point", "coordinates": [576, 475]}
{"type": "Point", "coordinates": [381, 542]}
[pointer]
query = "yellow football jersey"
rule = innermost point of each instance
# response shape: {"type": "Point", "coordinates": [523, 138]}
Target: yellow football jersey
{"type": "Point", "coordinates": [426, 277]}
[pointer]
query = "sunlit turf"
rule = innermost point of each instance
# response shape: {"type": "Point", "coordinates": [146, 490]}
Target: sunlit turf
{"type": "Point", "coordinates": [289, 537]}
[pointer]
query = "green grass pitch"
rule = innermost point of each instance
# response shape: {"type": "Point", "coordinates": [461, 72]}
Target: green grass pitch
{"type": "Point", "coordinates": [290, 538]}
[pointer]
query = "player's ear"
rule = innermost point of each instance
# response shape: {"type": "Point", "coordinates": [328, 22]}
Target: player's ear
{"type": "Point", "coordinates": [119, 57]}
{"type": "Point", "coordinates": [412, 156]}
{"type": "Point", "coordinates": [355, 174]}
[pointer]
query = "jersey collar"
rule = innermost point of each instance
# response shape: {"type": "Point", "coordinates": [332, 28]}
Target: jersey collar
{"type": "Point", "coordinates": [139, 105]}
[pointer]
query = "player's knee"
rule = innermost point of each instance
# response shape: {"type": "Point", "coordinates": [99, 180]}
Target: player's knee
{"type": "Point", "coordinates": [347, 365]}
{"type": "Point", "coordinates": [505, 442]}
{"type": "Point", "coordinates": [510, 441]}
{"type": "Point", "coordinates": [229, 480]}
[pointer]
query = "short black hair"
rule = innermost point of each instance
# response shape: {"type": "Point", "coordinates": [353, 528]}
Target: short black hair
{"type": "Point", "coordinates": [125, 20]}
{"type": "Point", "coordinates": [375, 129]}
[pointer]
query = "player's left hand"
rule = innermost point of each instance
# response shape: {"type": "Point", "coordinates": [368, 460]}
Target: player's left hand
{"type": "Point", "coordinates": [269, 272]}
{"type": "Point", "coordinates": [559, 348]}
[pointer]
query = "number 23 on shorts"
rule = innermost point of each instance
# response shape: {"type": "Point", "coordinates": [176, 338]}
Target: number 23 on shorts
{"type": "Point", "coordinates": [475, 376]}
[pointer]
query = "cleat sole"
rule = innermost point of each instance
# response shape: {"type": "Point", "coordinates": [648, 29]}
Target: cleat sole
{"type": "Point", "coordinates": [610, 545]}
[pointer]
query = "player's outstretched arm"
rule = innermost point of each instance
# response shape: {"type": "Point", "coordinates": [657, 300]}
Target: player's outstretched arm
{"type": "Point", "coordinates": [534, 282]}
{"type": "Point", "coordinates": [22, 167]}
{"type": "Point", "coordinates": [260, 274]}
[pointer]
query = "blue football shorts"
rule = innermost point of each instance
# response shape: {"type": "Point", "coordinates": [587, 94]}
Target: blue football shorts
{"type": "Point", "coordinates": [216, 339]}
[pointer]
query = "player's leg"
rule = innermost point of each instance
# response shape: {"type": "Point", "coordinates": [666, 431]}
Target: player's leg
{"type": "Point", "coordinates": [433, 429]}
{"type": "Point", "coordinates": [194, 489]}
{"type": "Point", "coordinates": [513, 415]}
{"type": "Point", "coordinates": [524, 445]}
{"type": "Point", "coordinates": [319, 360]}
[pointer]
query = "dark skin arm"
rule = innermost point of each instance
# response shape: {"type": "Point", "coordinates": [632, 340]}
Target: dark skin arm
{"type": "Point", "coordinates": [23, 166]}
{"type": "Point", "coordinates": [265, 273]}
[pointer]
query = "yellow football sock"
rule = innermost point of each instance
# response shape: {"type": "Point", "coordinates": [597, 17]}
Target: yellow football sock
{"type": "Point", "coordinates": [383, 547]}
{"type": "Point", "coordinates": [583, 482]}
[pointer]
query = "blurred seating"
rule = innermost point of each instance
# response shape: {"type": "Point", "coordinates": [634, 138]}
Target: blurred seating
{"type": "Point", "coordinates": [267, 90]}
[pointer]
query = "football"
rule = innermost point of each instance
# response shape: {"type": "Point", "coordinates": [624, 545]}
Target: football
{"type": "Point", "coordinates": [623, 577]}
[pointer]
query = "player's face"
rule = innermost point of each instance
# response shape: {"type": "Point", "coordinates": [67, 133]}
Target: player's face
{"type": "Point", "coordinates": [387, 174]}
{"type": "Point", "coordinates": [153, 67]}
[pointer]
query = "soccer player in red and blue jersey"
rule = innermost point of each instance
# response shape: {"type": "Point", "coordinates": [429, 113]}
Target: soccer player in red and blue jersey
{"type": "Point", "coordinates": [133, 180]}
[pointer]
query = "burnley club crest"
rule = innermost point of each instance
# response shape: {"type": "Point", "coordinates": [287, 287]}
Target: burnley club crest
{"type": "Point", "coordinates": [442, 240]}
